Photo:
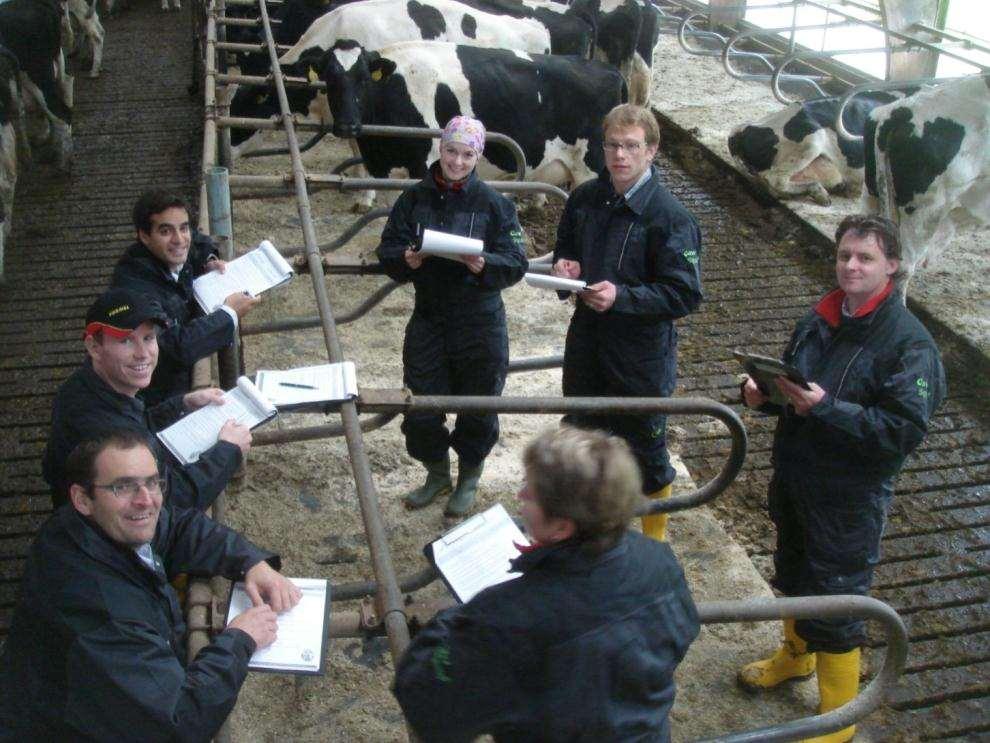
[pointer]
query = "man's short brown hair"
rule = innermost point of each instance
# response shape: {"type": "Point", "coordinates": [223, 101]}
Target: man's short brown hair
{"type": "Point", "coordinates": [882, 228]}
{"type": "Point", "coordinates": [588, 477]}
{"type": "Point", "coordinates": [80, 466]}
{"type": "Point", "coordinates": [154, 202]}
{"type": "Point", "coordinates": [629, 114]}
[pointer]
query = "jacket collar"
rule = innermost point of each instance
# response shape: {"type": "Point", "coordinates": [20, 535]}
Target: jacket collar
{"type": "Point", "coordinates": [639, 200]}
{"type": "Point", "coordinates": [565, 556]}
{"type": "Point", "coordinates": [830, 306]}
{"type": "Point", "coordinates": [436, 182]}
{"type": "Point", "coordinates": [93, 542]}
{"type": "Point", "coordinates": [94, 382]}
{"type": "Point", "coordinates": [138, 253]}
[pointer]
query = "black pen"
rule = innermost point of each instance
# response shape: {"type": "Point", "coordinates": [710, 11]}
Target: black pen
{"type": "Point", "coordinates": [298, 386]}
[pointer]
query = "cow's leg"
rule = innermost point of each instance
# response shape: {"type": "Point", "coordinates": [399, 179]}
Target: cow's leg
{"type": "Point", "coordinates": [176, 5]}
{"type": "Point", "coordinates": [97, 35]}
{"type": "Point", "coordinates": [365, 200]}
{"type": "Point", "coordinates": [165, 5]}
{"type": "Point", "coordinates": [65, 81]}
{"type": "Point", "coordinates": [639, 78]}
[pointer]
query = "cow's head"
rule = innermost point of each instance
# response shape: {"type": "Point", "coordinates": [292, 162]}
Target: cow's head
{"type": "Point", "coordinates": [754, 147]}
{"type": "Point", "coordinates": [261, 102]}
{"type": "Point", "coordinates": [353, 76]}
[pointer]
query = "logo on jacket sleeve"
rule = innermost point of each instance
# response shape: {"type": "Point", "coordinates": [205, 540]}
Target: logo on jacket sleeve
{"type": "Point", "coordinates": [441, 663]}
{"type": "Point", "coordinates": [922, 386]}
{"type": "Point", "coordinates": [691, 256]}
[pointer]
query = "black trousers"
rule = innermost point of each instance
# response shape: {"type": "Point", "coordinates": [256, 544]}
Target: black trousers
{"type": "Point", "coordinates": [588, 372]}
{"type": "Point", "coordinates": [463, 355]}
{"type": "Point", "coordinates": [828, 542]}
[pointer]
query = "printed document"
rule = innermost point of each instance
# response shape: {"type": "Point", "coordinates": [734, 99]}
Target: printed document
{"type": "Point", "coordinates": [476, 554]}
{"type": "Point", "coordinates": [190, 436]}
{"type": "Point", "coordinates": [308, 384]}
{"type": "Point", "coordinates": [253, 273]}
{"type": "Point", "coordinates": [301, 630]}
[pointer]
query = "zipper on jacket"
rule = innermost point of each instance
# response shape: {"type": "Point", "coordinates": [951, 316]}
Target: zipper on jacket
{"type": "Point", "coordinates": [471, 226]}
{"type": "Point", "coordinates": [622, 252]}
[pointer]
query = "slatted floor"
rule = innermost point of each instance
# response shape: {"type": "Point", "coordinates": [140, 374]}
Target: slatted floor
{"type": "Point", "coordinates": [136, 127]}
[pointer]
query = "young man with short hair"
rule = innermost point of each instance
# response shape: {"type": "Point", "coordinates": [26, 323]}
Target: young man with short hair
{"type": "Point", "coordinates": [96, 649]}
{"type": "Point", "coordinates": [875, 379]}
{"type": "Point", "coordinates": [121, 340]}
{"type": "Point", "coordinates": [584, 643]}
{"type": "Point", "coordinates": [162, 263]}
{"type": "Point", "coordinates": [639, 250]}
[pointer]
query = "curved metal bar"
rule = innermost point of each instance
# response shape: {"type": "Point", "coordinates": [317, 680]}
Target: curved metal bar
{"type": "Point", "coordinates": [682, 36]}
{"type": "Point", "coordinates": [368, 588]}
{"type": "Point", "coordinates": [808, 607]}
{"type": "Point", "coordinates": [840, 126]}
{"type": "Point", "coordinates": [349, 162]}
{"type": "Point", "coordinates": [379, 130]}
{"type": "Point", "coordinates": [310, 433]}
{"type": "Point", "coordinates": [778, 73]}
{"type": "Point", "coordinates": [336, 244]}
{"type": "Point", "coordinates": [370, 402]}
{"type": "Point", "coordinates": [304, 323]}
{"type": "Point", "coordinates": [267, 151]}
{"type": "Point", "coordinates": [727, 52]}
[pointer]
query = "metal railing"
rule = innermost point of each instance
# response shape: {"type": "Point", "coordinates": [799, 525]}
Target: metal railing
{"type": "Point", "coordinates": [777, 52]}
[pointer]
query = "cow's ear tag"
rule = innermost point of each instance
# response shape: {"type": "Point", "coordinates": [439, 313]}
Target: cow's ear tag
{"type": "Point", "coordinates": [376, 75]}
{"type": "Point", "coordinates": [313, 77]}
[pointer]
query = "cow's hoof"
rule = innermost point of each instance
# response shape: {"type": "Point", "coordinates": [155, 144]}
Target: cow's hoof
{"type": "Point", "coordinates": [359, 207]}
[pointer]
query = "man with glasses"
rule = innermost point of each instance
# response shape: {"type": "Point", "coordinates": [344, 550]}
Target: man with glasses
{"type": "Point", "coordinates": [96, 649]}
{"type": "Point", "coordinates": [121, 339]}
{"type": "Point", "coordinates": [639, 251]}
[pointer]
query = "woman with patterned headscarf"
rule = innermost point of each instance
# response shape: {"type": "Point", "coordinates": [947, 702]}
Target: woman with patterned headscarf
{"type": "Point", "coordinates": [456, 341]}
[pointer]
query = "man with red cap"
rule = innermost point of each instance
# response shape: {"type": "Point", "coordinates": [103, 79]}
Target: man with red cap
{"type": "Point", "coordinates": [121, 339]}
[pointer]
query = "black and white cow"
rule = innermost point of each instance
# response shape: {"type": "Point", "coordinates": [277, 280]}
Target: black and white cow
{"type": "Point", "coordinates": [33, 30]}
{"type": "Point", "coordinates": [13, 143]}
{"type": "Point", "coordinates": [89, 33]}
{"type": "Point", "coordinates": [626, 32]}
{"type": "Point", "coordinates": [928, 166]}
{"type": "Point", "coordinates": [372, 25]}
{"type": "Point", "coordinates": [797, 150]}
{"type": "Point", "coordinates": [552, 106]}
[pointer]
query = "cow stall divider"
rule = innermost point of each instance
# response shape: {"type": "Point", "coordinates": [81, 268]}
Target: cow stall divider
{"type": "Point", "coordinates": [389, 609]}
{"type": "Point", "coordinates": [773, 50]}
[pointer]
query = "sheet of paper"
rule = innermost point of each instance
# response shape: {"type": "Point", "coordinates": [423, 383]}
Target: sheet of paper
{"type": "Point", "coordinates": [253, 272]}
{"type": "Point", "coordinates": [445, 244]}
{"type": "Point", "coordinates": [190, 436]}
{"type": "Point", "coordinates": [542, 281]}
{"type": "Point", "coordinates": [476, 554]}
{"type": "Point", "coordinates": [304, 384]}
{"type": "Point", "coordinates": [299, 645]}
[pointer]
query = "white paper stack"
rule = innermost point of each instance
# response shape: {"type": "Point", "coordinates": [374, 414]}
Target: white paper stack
{"type": "Point", "coordinates": [542, 281]}
{"type": "Point", "coordinates": [446, 245]}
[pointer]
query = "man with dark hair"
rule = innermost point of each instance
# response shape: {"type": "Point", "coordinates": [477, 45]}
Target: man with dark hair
{"type": "Point", "coordinates": [121, 339]}
{"type": "Point", "coordinates": [583, 645]}
{"type": "Point", "coordinates": [167, 255]}
{"type": "Point", "coordinates": [96, 649]}
{"type": "Point", "coordinates": [875, 379]}
{"type": "Point", "coordinates": [639, 250]}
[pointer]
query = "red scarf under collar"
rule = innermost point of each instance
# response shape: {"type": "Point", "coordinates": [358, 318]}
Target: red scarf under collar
{"type": "Point", "coordinates": [830, 306]}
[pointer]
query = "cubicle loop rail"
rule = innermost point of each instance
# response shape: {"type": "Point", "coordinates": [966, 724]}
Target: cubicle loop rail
{"type": "Point", "coordinates": [781, 51]}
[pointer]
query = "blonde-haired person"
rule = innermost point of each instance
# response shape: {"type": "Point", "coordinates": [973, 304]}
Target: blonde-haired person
{"type": "Point", "coordinates": [456, 341]}
{"type": "Point", "coordinates": [583, 645]}
{"type": "Point", "coordinates": [639, 250]}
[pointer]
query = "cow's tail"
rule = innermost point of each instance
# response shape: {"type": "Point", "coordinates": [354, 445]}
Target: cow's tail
{"type": "Point", "coordinates": [624, 92]}
{"type": "Point", "coordinates": [869, 164]}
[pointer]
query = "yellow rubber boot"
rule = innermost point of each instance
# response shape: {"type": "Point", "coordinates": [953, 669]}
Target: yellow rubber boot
{"type": "Point", "coordinates": [655, 525]}
{"type": "Point", "coordinates": [838, 683]}
{"type": "Point", "coordinates": [791, 661]}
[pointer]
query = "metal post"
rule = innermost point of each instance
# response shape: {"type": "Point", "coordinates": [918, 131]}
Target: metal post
{"type": "Point", "coordinates": [221, 228]}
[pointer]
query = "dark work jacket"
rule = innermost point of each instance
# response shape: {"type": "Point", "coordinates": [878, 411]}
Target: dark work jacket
{"type": "Point", "coordinates": [580, 648]}
{"type": "Point", "coordinates": [446, 288]}
{"type": "Point", "coordinates": [86, 406]}
{"type": "Point", "coordinates": [190, 335]}
{"type": "Point", "coordinates": [96, 649]}
{"type": "Point", "coordinates": [883, 378]}
{"type": "Point", "coordinates": [650, 249]}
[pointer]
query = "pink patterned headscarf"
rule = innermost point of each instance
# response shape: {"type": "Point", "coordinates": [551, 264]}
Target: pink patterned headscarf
{"type": "Point", "coordinates": [465, 130]}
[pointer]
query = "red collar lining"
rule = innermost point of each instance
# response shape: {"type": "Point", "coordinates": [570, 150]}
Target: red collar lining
{"type": "Point", "coordinates": [830, 306]}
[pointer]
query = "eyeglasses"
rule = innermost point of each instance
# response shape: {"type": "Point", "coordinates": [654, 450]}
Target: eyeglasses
{"type": "Point", "coordinates": [129, 487]}
{"type": "Point", "coordinates": [631, 147]}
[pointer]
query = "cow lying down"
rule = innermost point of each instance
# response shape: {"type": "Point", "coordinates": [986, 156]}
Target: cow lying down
{"type": "Point", "coordinates": [797, 151]}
